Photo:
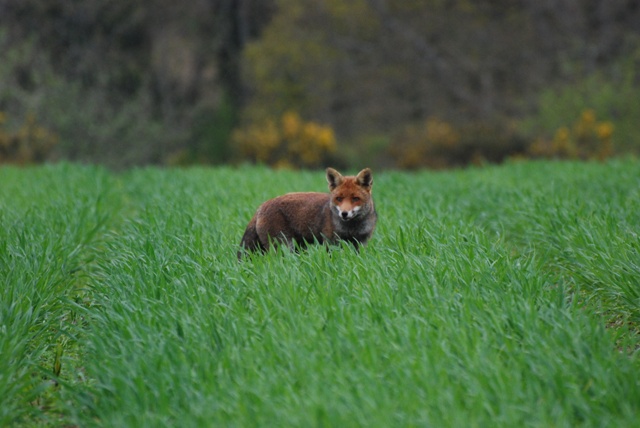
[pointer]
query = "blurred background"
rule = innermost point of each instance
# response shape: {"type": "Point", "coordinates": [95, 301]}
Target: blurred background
{"type": "Point", "coordinates": [305, 83]}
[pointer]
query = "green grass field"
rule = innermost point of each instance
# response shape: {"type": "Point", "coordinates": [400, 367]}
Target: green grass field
{"type": "Point", "coordinates": [497, 297]}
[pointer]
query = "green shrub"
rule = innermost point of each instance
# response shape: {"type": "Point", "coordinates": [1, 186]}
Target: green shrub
{"type": "Point", "coordinates": [613, 95]}
{"type": "Point", "coordinates": [92, 122]}
{"type": "Point", "coordinates": [586, 139]}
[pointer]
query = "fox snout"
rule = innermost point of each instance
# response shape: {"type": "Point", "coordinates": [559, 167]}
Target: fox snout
{"type": "Point", "coordinates": [347, 214]}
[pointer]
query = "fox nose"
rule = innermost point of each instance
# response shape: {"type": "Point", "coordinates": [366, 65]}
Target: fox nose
{"type": "Point", "coordinates": [345, 214]}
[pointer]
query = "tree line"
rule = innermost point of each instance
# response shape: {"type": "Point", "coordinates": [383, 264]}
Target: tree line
{"type": "Point", "coordinates": [126, 83]}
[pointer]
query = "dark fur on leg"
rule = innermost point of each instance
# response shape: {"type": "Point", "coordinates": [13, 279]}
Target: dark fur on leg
{"type": "Point", "coordinates": [250, 241]}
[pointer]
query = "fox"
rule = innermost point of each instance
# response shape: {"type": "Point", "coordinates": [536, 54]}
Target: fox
{"type": "Point", "coordinates": [346, 213]}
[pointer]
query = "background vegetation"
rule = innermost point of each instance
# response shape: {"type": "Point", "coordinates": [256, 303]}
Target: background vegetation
{"type": "Point", "coordinates": [399, 84]}
{"type": "Point", "coordinates": [502, 296]}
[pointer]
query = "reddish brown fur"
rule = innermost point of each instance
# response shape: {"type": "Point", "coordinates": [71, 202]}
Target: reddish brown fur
{"type": "Point", "coordinates": [296, 219]}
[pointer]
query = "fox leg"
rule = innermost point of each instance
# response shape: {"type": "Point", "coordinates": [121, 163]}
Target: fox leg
{"type": "Point", "coordinates": [282, 239]}
{"type": "Point", "coordinates": [250, 240]}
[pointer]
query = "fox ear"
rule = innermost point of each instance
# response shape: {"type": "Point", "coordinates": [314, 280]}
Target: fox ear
{"type": "Point", "coordinates": [365, 178]}
{"type": "Point", "coordinates": [334, 178]}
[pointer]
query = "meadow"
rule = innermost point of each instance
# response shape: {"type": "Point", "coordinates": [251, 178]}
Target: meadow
{"type": "Point", "coordinates": [499, 296]}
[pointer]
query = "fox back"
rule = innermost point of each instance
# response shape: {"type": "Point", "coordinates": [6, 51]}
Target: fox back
{"type": "Point", "coordinates": [296, 219]}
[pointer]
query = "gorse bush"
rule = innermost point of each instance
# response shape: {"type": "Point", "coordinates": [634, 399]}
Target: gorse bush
{"type": "Point", "coordinates": [440, 144]}
{"type": "Point", "coordinates": [288, 142]}
{"type": "Point", "coordinates": [610, 94]}
{"type": "Point", "coordinates": [427, 144]}
{"type": "Point", "coordinates": [588, 138]}
{"type": "Point", "coordinates": [30, 143]}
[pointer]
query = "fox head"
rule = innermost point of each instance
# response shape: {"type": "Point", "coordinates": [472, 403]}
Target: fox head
{"type": "Point", "coordinates": [350, 196]}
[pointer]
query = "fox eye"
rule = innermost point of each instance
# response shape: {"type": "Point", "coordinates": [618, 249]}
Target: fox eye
{"type": "Point", "coordinates": [339, 198]}
{"type": "Point", "coordinates": [355, 199]}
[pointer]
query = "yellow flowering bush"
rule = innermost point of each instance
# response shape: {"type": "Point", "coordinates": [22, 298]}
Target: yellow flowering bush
{"type": "Point", "coordinates": [588, 138]}
{"type": "Point", "coordinates": [428, 144]}
{"type": "Point", "coordinates": [28, 144]}
{"type": "Point", "coordinates": [288, 142]}
{"type": "Point", "coordinates": [439, 144]}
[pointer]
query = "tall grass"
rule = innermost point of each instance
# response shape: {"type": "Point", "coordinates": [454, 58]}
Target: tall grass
{"type": "Point", "coordinates": [48, 219]}
{"type": "Point", "coordinates": [503, 296]}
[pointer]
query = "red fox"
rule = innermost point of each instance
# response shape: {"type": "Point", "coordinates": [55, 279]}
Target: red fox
{"type": "Point", "coordinates": [296, 219]}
